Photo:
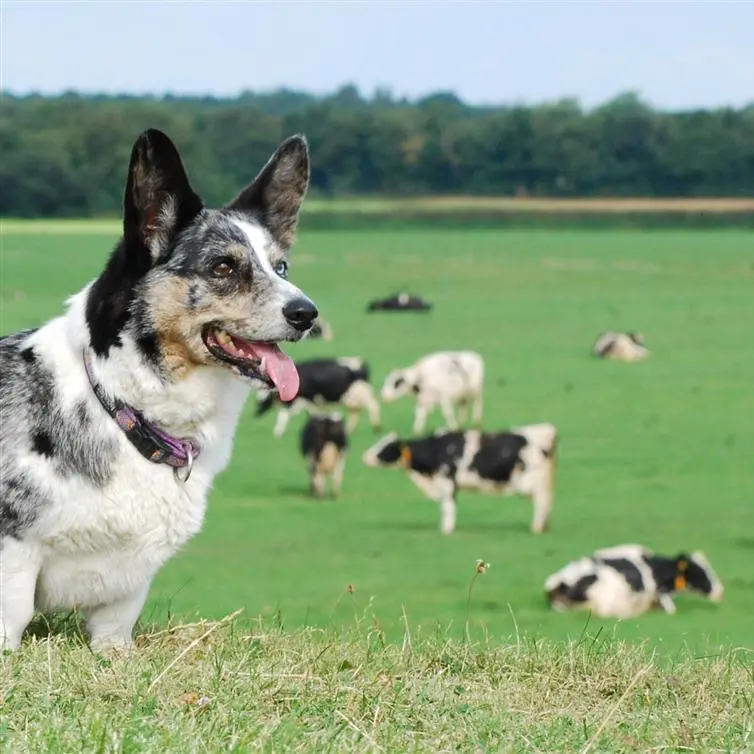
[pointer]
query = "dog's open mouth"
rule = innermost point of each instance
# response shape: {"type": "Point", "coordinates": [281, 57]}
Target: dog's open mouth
{"type": "Point", "coordinates": [262, 361]}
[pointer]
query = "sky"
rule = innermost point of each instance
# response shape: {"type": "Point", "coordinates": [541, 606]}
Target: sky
{"type": "Point", "coordinates": [676, 55]}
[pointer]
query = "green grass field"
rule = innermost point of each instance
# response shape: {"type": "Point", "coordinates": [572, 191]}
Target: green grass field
{"type": "Point", "coordinates": [658, 452]}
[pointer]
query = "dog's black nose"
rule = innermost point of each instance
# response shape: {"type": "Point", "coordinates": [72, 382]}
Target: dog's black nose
{"type": "Point", "coordinates": [300, 313]}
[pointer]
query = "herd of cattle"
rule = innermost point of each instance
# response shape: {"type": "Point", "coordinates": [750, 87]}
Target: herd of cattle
{"type": "Point", "coordinates": [620, 582]}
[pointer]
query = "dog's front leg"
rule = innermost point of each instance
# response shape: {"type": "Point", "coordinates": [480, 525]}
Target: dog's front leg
{"type": "Point", "coordinates": [19, 568]}
{"type": "Point", "coordinates": [111, 626]}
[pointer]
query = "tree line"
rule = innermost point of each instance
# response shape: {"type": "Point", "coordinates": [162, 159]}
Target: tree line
{"type": "Point", "coordinates": [67, 155]}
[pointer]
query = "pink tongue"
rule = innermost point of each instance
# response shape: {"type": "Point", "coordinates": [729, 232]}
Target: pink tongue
{"type": "Point", "coordinates": [279, 367]}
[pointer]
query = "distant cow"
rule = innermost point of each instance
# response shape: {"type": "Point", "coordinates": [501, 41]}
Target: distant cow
{"type": "Point", "coordinates": [324, 383]}
{"type": "Point", "coordinates": [628, 580]}
{"type": "Point", "coordinates": [445, 379]}
{"type": "Point", "coordinates": [324, 445]}
{"type": "Point", "coordinates": [619, 346]}
{"type": "Point", "coordinates": [321, 329]}
{"type": "Point", "coordinates": [399, 302]}
{"type": "Point", "coordinates": [520, 461]}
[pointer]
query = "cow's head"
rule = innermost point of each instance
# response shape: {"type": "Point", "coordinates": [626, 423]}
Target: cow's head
{"type": "Point", "coordinates": [389, 451]}
{"type": "Point", "coordinates": [396, 385]}
{"type": "Point", "coordinates": [694, 572]}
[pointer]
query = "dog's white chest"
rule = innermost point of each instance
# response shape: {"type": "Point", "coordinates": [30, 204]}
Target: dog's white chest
{"type": "Point", "coordinates": [100, 545]}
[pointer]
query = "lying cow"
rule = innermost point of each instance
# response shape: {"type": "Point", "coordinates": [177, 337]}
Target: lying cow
{"type": "Point", "coordinates": [628, 580]}
{"type": "Point", "coordinates": [521, 461]}
{"type": "Point", "coordinates": [399, 302]}
{"type": "Point", "coordinates": [324, 445]}
{"type": "Point", "coordinates": [445, 379]}
{"type": "Point", "coordinates": [324, 383]}
{"type": "Point", "coordinates": [619, 346]}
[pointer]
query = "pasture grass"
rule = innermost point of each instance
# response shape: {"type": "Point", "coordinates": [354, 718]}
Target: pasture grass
{"type": "Point", "coordinates": [657, 452]}
{"type": "Point", "coordinates": [238, 685]}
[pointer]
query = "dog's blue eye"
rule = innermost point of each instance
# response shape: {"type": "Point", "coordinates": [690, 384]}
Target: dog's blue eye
{"type": "Point", "coordinates": [281, 268]}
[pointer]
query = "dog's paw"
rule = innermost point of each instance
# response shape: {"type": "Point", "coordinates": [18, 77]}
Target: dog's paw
{"type": "Point", "coordinates": [111, 646]}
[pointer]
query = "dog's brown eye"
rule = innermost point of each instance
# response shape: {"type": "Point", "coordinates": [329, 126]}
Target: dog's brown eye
{"type": "Point", "coordinates": [222, 270]}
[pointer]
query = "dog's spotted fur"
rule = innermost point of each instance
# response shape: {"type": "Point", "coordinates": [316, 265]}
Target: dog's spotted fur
{"type": "Point", "coordinates": [85, 520]}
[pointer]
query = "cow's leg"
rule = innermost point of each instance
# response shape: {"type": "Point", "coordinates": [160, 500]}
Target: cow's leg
{"type": "Point", "coordinates": [319, 481]}
{"type": "Point", "coordinates": [463, 411]}
{"type": "Point", "coordinates": [666, 603]}
{"type": "Point", "coordinates": [337, 476]}
{"type": "Point", "coordinates": [476, 410]}
{"type": "Point", "coordinates": [373, 408]}
{"type": "Point", "coordinates": [444, 491]}
{"type": "Point", "coordinates": [446, 406]}
{"type": "Point", "coordinates": [542, 499]}
{"type": "Point", "coordinates": [353, 420]}
{"type": "Point", "coordinates": [420, 417]}
{"type": "Point", "coordinates": [448, 514]}
{"type": "Point", "coordinates": [284, 415]}
{"type": "Point", "coordinates": [19, 568]}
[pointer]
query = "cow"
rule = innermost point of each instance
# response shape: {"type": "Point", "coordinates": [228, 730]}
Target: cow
{"type": "Point", "coordinates": [628, 580]}
{"type": "Point", "coordinates": [324, 383]}
{"type": "Point", "coordinates": [399, 302]}
{"type": "Point", "coordinates": [520, 461]}
{"type": "Point", "coordinates": [618, 346]}
{"type": "Point", "coordinates": [324, 445]}
{"type": "Point", "coordinates": [445, 379]}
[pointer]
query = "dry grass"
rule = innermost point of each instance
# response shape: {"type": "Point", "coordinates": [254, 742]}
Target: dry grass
{"type": "Point", "coordinates": [238, 686]}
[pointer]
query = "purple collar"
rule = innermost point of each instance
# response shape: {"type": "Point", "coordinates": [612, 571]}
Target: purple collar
{"type": "Point", "coordinates": [154, 444]}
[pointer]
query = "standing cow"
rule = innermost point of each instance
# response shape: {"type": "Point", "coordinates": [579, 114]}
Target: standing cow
{"type": "Point", "coordinates": [324, 445]}
{"type": "Point", "coordinates": [445, 379]}
{"type": "Point", "coordinates": [521, 461]}
{"type": "Point", "coordinates": [323, 384]}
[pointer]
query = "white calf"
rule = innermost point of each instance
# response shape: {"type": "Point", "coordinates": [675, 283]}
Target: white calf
{"type": "Point", "coordinates": [445, 379]}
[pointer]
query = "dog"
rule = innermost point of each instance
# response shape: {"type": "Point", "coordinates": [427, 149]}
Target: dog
{"type": "Point", "coordinates": [116, 416]}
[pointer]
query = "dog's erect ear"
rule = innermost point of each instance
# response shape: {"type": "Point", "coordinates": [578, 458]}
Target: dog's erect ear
{"type": "Point", "coordinates": [278, 191]}
{"type": "Point", "coordinates": [158, 200]}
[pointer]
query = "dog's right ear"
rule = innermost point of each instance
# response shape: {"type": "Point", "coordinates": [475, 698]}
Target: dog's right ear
{"type": "Point", "coordinates": [279, 189]}
{"type": "Point", "coordinates": [158, 200]}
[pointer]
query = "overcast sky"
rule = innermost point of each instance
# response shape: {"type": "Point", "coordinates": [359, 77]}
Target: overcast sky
{"type": "Point", "coordinates": [677, 55]}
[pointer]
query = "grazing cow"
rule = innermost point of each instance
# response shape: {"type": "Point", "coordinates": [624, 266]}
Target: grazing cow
{"type": "Point", "coordinates": [324, 444]}
{"type": "Point", "coordinates": [619, 346]}
{"type": "Point", "coordinates": [628, 580]}
{"type": "Point", "coordinates": [443, 379]}
{"type": "Point", "coordinates": [324, 383]}
{"type": "Point", "coordinates": [399, 302]}
{"type": "Point", "coordinates": [520, 461]}
{"type": "Point", "coordinates": [321, 329]}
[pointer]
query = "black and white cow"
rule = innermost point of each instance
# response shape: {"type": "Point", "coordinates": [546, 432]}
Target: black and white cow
{"type": "Point", "coordinates": [399, 302]}
{"type": "Point", "coordinates": [628, 580]}
{"type": "Point", "coordinates": [520, 461]}
{"type": "Point", "coordinates": [323, 384]}
{"type": "Point", "coordinates": [619, 346]}
{"type": "Point", "coordinates": [324, 445]}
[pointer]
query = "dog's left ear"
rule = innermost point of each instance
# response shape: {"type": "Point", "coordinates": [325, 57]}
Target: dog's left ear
{"type": "Point", "coordinates": [278, 191]}
{"type": "Point", "coordinates": [158, 200]}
